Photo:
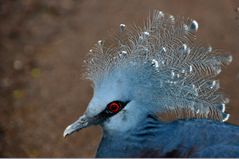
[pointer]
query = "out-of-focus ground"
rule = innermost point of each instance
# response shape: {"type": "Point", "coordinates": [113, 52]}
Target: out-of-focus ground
{"type": "Point", "coordinates": [42, 45]}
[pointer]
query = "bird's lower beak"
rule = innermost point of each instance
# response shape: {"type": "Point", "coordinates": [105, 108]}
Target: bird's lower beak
{"type": "Point", "coordinates": [82, 122]}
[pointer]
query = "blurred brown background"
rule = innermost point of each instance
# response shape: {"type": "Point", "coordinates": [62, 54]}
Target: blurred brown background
{"type": "Point", "coordinates": [42, 45]}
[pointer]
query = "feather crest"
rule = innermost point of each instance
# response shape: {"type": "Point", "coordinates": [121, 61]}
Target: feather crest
{"type": "Point", "coordinates": [180, 69]}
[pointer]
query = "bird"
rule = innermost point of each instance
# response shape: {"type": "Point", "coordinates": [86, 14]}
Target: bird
{"type": "Point", "coordinates": [156, 92]}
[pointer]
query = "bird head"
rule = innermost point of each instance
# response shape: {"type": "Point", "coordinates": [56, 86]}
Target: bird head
{"type": "Point", "coordinates": [118, 102]}
{"type": "Point", "coordinates": [157, 68]}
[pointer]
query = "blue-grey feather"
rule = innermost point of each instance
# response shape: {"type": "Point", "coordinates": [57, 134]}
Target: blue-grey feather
{"type": "Point", "coordinates": [162, 68]}
{"type": "Point", "coordinates": [181, 138]}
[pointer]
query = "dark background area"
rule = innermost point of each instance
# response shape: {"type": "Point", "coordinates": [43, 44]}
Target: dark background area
{"type": "Point", "coordinates": [42, 46]}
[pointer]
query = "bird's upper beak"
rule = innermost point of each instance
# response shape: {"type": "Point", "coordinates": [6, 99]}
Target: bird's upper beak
{"type": "Point", "coordinates": [82, 122]}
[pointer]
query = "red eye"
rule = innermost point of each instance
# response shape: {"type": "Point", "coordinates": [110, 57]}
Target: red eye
{"type": "Point", "coordinates": [114, 107]}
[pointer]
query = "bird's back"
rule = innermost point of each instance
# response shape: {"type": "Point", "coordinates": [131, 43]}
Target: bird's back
{"type": "Point", "coordinates": [182, 138]}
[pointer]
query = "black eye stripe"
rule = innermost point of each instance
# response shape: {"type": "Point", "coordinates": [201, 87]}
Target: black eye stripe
{"type": "Point", "coordinates": [117, 105]}
{"type": "Point", "coordinates": [106, 113]}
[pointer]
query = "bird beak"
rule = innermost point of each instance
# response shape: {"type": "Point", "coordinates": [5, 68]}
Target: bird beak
{"type": "Point", "coordinates": [82, 122]}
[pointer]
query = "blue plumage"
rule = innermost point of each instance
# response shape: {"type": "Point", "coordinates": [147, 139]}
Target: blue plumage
{"type": "Point", "coordinates": [181, 138]}
{"type": "Point", "coordinates": [155, 93]}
